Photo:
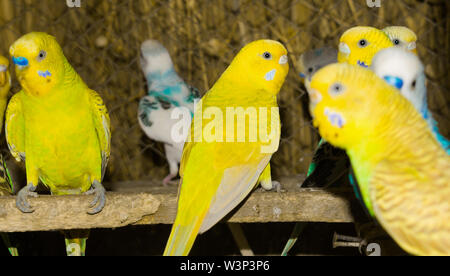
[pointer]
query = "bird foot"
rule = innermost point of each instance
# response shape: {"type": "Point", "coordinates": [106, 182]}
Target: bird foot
{"type": "Point", "coordinates": [22, 198]}
{"type": "Point", "coordinates": [168, 178]}
{"type": "Point", "coordinates": [276, 186]}
{"type": "Point", "coordinates": [99, 193]}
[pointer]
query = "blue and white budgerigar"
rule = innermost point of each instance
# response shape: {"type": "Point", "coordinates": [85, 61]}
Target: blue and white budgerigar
{"type": "Point", "coordinates": [167, 95]}
{"type": "Point", "coordinates": [404, 70]}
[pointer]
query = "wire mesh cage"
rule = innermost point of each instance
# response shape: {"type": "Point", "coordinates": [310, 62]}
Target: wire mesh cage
{"type": "Point", "coordinates": [101, 39]}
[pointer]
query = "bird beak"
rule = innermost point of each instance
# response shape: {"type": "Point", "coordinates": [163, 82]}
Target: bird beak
{"type": "Point", "coordinates": [3, 77]}
{"type": "Point", "coordinates": [343, 48]}
{"type": "Point", "coordinates": [283, 59]}
{"type": "Point", "coordinates": [20, 61]}
{"type": "Point", "coordinates": [314, 96]}
{"type": "Point", "coordinates": [394, 81]}
{"type": "Point", "coordinates": [411, 46]}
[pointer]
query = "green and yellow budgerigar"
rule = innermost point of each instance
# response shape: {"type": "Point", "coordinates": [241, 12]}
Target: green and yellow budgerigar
{"type": "Point", "coordinates": [358, 45]}
{"type": "Point", "coordinates": [402, 37]}
{"type": "Point", "coordinates": [56, 124]}
{"type": "Point", "coordinates": [6, 185]}
{"type": "Point", "coordinates": [219, 172]}
{"type": "Point", "coordinates": [402, 170]}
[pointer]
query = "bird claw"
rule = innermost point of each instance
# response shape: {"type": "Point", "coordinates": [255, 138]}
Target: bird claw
{"type": "Point", "coordinates": [22, 198]}
{"type": "Point", "coordinates": [99, 193]}
{"type": "Point", "coordinates": [276, 186]}
{"type": "Point", "coordinates": [167, 179]}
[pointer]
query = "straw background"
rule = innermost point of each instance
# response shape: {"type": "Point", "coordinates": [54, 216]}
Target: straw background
{"type": "Point", "coordinates": [101, 39]}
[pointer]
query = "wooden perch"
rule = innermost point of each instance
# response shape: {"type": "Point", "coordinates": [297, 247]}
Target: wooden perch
{"type": "Point", "coordinates": [69, 212]}
{"type": "Point", "coordinates": [145, 203]}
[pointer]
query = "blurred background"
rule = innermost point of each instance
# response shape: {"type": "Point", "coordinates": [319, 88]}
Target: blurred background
{"type": "Point", "coordinates": [101, 39]}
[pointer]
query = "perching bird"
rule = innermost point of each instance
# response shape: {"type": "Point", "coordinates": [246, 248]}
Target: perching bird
{"type": "Point", "coordinates": [358, 45]}
{"type": "Point", "coordinates": [405, 71]}
{"type": "Point", "coordinates": [56, 124]}
{"type": "Point", "coordinates": [221, 165]}
{"type": "Point", "coordinates": [6, 185]}
{"type": "Point", "coordinates": [402, 37]}
{"type": "Point", "coordinates": [329, 164]}
{"type": "Point", "coordinates": [167, 94]}
{"type": "Point", "coordinates": [402, 170]}
{"type": "Point", "coordinates": [325, 155]}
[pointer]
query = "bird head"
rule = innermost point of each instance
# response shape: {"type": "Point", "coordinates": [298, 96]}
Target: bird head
{"type": "Point", "coordinates": [347, 102]}
{"type": "Point", "coordinates": [359, 45]}
{"type": "Point", "coordinates": [403, 70]}
{"type": "Point", "coordinates": [402, 37]}
{"type": "Point", "coordinates": [39, 62]}
{"type": "Point", "coordinates": [261, 64]}
{"type": "Point", "coordinates": [312, 61]}
{"type": "Point", "coordinates": [154, 58]}
{"type": "Point", "coordinates": [5, 77]}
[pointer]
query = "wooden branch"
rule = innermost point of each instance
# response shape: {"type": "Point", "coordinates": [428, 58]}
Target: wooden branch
{"type": "Point", "coordinates": [69, 212]}
{"type": "Point", "coordinates": [305, 205]}
{"type": "Point", "coordinates": [146, 203]}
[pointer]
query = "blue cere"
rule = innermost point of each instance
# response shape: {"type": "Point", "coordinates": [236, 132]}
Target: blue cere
{"type": "Point", "coordinates": [394, 81]}
{"type": "Point", "coordinates": [20, 61]}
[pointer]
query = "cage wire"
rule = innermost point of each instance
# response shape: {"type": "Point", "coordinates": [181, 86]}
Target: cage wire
{"type": "Point", "coordinates": [101, 39]}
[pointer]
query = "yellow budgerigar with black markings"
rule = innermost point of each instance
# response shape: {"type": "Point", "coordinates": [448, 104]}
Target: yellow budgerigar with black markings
{"type": "Point", "coordinates": [56, 124]}
{"type": "Point", "coordinates": [358, 45]}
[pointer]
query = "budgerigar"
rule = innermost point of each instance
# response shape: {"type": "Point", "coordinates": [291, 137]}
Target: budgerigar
{"type": "Point", "coordinates": [56, 124]}
{"type": "Point", "coordinates": [402, 37]}
{"type": "Point", "coordinates": [6, 185]}
{"type": "Point", "coordinates": [221, 162]}
{"type": "Point", "coordinates": [167, 92]}
{"type": "Point", "coordinates": [402, 171]}
{"type": "Point", "coordinates": [406, 72]}
{"type": "Point", "coordinates": [325, 155]}
{"type": "Point", "coordinates": [358, 45]}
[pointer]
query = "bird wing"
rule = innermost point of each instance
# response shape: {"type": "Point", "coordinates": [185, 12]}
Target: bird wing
{"type": "Point", "coordinates": [102, 126]}
{"type": "Point", "coordinates": [15, 128]}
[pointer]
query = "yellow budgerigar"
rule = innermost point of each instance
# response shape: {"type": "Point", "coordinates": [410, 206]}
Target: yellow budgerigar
{"type": "Point", "coordinates": [402, 170]}
{"type": "Point", "coordinates": [403, 37]}
{"type": "Point", "coordinates": [358, 45]}
{"type": "Point", "coordinates": [6, 185]}
{"type": "Point", "coordinates": [56, 124]}
{"type": "Point", "coordinates": [222, 162]}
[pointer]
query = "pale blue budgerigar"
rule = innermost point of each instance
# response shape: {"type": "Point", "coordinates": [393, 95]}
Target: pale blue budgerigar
{"type": "Point", "coordinates": [167, 95]}
{"type": "Point", "coordinates": [404, 70]}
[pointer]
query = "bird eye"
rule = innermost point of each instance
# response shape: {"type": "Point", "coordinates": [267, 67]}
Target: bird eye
{"type": "Point", "coordinates": [413, 84]}
{"type": "Point", "coordinates": [336, 89]}
{"type": "Point", "coordinates": [267, 55]}
{"type": "Point", "coordinates": [363, 43]}
{"type": "Point", "coordinates": [42, 55]}
{"type": "Point", "coordinates": [310, 70]}
{"type": "Point", "coordinates": [396, 41]}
